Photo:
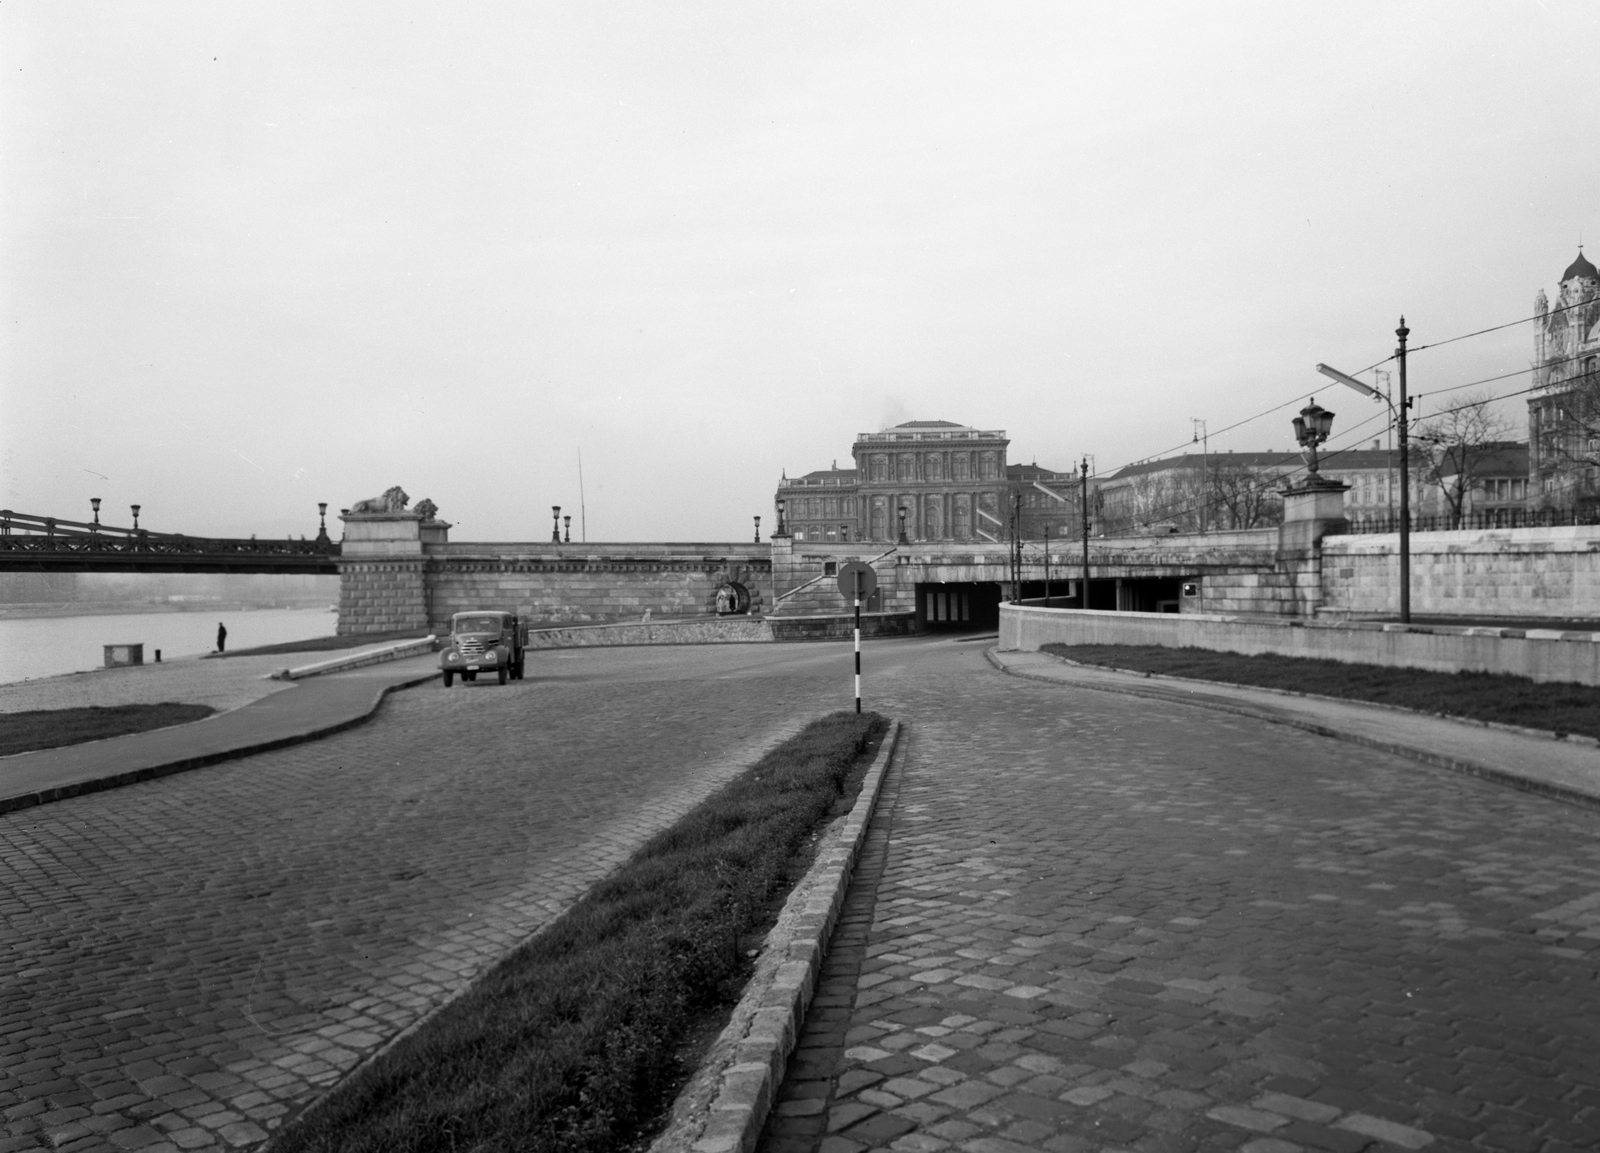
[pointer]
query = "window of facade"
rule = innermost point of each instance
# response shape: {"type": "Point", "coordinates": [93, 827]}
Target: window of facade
{"type": "Point", "coordinates": [958, 466]}
{"type": "Point", "coordinates": [844, 532]}
{"type": "Point", "coordinates": [986, 466]}
{"type": "Point", "coordinates": [878, 469]}
{"type": "Point", "coordinates": [932, 470]}
{"type": "Point", "coordinates": [908, 467]}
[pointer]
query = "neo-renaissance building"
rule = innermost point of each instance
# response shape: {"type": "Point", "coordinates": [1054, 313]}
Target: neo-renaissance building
{"type": "Point", "coordinates": [1563, 423]}
{"type": "Point", "coordinates": [950, 482]}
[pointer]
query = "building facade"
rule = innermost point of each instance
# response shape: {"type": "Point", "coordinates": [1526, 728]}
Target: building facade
{"type": "Point", "coordinates": [1564, 407]}
{"type": "Point", "coordinates": [946, 481]}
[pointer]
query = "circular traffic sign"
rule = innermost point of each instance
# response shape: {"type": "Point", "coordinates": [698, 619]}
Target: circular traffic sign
{"type": "Point", "coordinates": [848, 575]}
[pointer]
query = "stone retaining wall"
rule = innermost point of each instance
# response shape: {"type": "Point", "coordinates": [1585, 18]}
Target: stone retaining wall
{"type": "Point", "coordinates": [1521, 572]}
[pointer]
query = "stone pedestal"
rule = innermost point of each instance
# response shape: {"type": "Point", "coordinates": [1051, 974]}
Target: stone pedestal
{"type": "Point", "coordinates": [381, 585]}
{"type": "Point", "coordinates": [1310, 512]}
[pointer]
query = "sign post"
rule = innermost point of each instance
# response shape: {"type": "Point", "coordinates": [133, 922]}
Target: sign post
{"type": "Point", "coordinates": [857, 580]}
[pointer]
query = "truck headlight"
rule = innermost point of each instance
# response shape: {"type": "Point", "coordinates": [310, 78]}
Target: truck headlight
{"type": "Point", "coordinates": [452, 655]}
{"type": "Point", "coordinates": [489, 657]}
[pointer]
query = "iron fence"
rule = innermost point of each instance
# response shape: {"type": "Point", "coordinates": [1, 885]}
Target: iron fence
{"type": "Point", "coordinates": [1484, 518]}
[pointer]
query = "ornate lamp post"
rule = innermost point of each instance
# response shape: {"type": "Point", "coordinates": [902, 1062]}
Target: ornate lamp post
{"type": "Point", "coordinates": [94, 502]}
{"type": "Point", "coordinates": [567, 520]}
{"type": "Point", "coordinates": [555, 531]}
{"type": "Point", "coordinates": [758, 530]}
{"type": "Point", "coordinates": [903, 539]}
{"type": "Point", "coordinates": [782, 528]}
{"type": "Point", "coordinates": [322, 520]}
{"type": "Point", "coordinates": [1311, 428]}
{"type": "Point", "coordinates": [135, 509]}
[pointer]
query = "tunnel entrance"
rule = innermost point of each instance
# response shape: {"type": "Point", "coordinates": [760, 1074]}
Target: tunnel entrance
{"type": "Point", "coordinates": [1127, 594]}
{"type": "Point", "coordinates": [958, 607]}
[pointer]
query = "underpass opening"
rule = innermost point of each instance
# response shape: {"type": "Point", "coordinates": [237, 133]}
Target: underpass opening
{"type": "Point", "coordinates": [1123, 594]}
{"type": "Point", "coordinates": [958, 606]}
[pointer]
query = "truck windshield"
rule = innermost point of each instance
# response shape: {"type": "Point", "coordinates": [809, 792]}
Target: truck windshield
{"type": "Point", "coordinates": [477, 624]}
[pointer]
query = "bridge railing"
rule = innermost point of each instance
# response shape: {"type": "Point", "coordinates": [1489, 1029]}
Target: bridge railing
{"type": "Point", "coordinates": [1483, 518]}
{"type": "Point", "coordinates": [25, 533]}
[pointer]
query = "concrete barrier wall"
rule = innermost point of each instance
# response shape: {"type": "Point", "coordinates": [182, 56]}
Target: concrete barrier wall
{"type": "Point", "coordinates": [1541, 655]}
{"type": "Point", "coordinates": [1521, 572]}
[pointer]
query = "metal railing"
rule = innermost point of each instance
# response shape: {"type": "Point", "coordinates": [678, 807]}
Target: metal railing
{"type": "Point", "coordinates": [1481, 519]}
{"type": "Point", "coordinates": [24, 533]}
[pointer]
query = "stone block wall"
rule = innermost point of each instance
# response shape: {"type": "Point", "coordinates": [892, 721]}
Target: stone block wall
{"type": "Point", "coordinates": [591, 584]}
{"type": "Point", "coordinates": [1527, 572]}
{"type": "Point", "coordinates": [381, 596]}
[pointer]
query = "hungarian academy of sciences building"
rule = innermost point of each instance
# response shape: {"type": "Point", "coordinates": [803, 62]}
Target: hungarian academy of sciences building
{"type": "Point", "coordinates": [948, 481]}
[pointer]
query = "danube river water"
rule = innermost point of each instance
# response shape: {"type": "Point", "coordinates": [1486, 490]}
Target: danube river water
{"type": "Point", "coordinates": [48, 646]}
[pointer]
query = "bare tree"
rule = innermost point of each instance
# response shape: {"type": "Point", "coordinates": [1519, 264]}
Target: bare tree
{"type": "Point", "coordinates": [1242, 496]}
{"type": "Point", "coordinates": [1457, 445]}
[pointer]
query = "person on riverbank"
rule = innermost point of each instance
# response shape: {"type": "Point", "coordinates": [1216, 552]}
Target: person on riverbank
{"type": "Point", "coordinates": [222, 636]}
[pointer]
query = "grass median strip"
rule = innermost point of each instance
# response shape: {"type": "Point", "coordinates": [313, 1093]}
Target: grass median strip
{"type": "Point", "coordinates": [1497, 697]}
{"type": "Point", "coordinates": [579, 1040]}
{"type": "Point", "coordinates": [36, 729]}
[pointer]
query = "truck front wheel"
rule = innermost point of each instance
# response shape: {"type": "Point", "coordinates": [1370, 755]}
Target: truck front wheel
{"type": "Point", "coordinates": [449, 678]}
{"type": "Point", "coordinates": [504, 675]}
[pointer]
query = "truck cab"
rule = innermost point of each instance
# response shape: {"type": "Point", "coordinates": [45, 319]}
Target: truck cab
{"type": "Point", "coordinates": [484, 641]}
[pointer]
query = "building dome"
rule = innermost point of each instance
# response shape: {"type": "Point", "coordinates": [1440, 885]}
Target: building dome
{"type": "Point", "coordinates": [1580, 269]}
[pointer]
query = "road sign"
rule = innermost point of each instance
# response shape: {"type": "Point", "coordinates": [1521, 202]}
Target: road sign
{"type": "Point", "coordinates": [847, 580]}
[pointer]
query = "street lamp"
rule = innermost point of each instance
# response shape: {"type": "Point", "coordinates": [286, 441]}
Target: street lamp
{"type": "Point", "coordinates": [135, 509]}
{"type": "Point", "coordinates": [758, 530]}
{"type": "Point", "coordinates": [1399, 423]}
{"type": "Point", "coordinates": [903, 539]}
{"type": "Point", "coordinates": [94, 501]}
{"type": "Point", "coordinates": [555, 531]}
{"type": "Point", "coordinates": [1311, 428]}
{"type": "Point", "coordinates": [782, 530]}
{"type": "Point", "coordinates": [567, 521]}
{"type": "Point", "coordinates": [322, 520]}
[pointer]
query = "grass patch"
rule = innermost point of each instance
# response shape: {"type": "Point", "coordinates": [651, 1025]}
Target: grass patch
{"type": "Point", "coordinates": [1499, 697]}
{"type": "Point", "coordinates": [322, 644]}
{"type": "Point", "coordinates": [577, 1041]}
{"type": "Point", "coordinates": [52, 728]}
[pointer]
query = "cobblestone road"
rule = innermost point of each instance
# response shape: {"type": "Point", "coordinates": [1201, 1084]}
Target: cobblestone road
{"type": "Point", "coordinates": [1105, 923]}
{"type": "Point", "coordinates": [184, 961]}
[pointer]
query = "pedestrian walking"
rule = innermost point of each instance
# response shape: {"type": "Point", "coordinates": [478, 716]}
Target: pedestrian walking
{"type": "Point", "coordinates": [222, 636]}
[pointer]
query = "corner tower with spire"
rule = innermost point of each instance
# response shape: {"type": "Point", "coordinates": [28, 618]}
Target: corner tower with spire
{"type": "Point", "coordinates": [1564, 406]}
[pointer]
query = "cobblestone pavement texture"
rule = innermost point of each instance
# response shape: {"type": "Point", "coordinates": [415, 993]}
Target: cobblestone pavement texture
{"type": "Point", "coordinates": [185, 961]}
{"type": "Point", "coordinates": [1107, 923]}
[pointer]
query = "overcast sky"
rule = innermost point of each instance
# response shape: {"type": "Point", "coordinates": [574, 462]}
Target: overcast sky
{"type": "Point", "coordinates": [261, 255]}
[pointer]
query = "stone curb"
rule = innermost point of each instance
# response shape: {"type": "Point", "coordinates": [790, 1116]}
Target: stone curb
{"type": "Point", "coordinates": [151, 772]}
{"type": "Point", "coordinates": [1410, 752]}
{"type": "Point", "coordinates": [725, 1104]}
{"type": "Point", "coordinates": [356, 660]}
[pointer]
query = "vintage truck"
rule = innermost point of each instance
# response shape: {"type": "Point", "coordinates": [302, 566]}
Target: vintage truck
{"type": "Point", "coordinates": [484, 641]}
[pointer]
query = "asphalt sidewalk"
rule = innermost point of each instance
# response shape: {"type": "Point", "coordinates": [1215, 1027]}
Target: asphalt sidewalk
{"type": "Point", "coordinates": [1558, 768]}
{"type": "Point", "coordinates": [309, 709]}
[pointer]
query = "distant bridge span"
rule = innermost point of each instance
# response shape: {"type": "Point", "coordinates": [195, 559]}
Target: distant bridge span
{"type": "Point", "coordinates": [47, 544]}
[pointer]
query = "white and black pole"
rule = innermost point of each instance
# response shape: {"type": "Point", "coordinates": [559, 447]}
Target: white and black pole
{"type": "Point", "coordinates": [857, 575]}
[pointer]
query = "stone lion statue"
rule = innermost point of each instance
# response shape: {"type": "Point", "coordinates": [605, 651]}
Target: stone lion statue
{"type": "Point", "coordinates": [394, 500]}
{"type": "Point", "coordinates": [426, 509]}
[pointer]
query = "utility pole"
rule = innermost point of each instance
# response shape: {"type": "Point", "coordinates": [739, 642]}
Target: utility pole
{"type": "Point", "coordinates": [1383, 378]}
{"type": "Point", "coordinates": [1016, 545]}
{"type": "Point", "coordinates": [1405, 480]}
{"type": "Point", "coordinates": [1204, 438]}
{"type": "Point", "coordinates": [1047, 565]}
{"type": "Point", "coordinates": [1085, 490]}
